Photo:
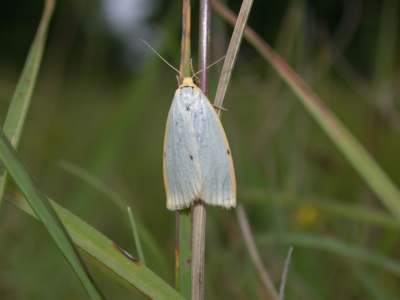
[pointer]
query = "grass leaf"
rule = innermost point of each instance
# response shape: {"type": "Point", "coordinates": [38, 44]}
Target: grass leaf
{"type": "Point", "coordinates": [94, 182]}
{"type": "Point", "coordinates": [319, 242]}
{"type": "Point", "coordinates": [350, 147]}
{"type": "Point", "coordinates": [149, 241]}
{"type": "Point", "coordinates": [248, 238]}
{"type": "Point", "coordinates": [21, 100]}
{"type": "Point", "coordinates": [46, 214]}
{"type": "Point", "coordinates": [109, 255]}
{"type": "Point", "coordinates": [231, 54]}
{"type": "Point", "coordinates": [326, 207]}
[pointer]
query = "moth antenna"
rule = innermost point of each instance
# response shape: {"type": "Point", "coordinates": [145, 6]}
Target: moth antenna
{"type": "Point", "coordinates": [209, 66]}
{"type": "Point", "coordinates": [191, 67]}
{"type": "Point", "coordinates": [159, 55]}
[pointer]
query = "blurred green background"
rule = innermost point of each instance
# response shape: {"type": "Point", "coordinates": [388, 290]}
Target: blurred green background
{"type": "Point", "coordinates": [100, 106]}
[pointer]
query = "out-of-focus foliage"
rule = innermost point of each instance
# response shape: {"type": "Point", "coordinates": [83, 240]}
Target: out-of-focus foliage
{"type": "Point", "coordinates": [101, 103]}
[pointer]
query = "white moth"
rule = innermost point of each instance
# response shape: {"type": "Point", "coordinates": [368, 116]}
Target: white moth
{"type": "Point", "coordinates": [197, 161]}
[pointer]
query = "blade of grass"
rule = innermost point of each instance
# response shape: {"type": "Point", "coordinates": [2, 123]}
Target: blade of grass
{"type": "Point", "coordinates": [319, 242]}
{"type": "Point", "coordinates": [185, 63]}
{"type": "Point", "coordinates": [94, 182]}
{"type": "Point", "coordinates": [148, 239]}
{"type": "Point", "coordinates": [372, 284]}
{"type": "Point", "coordinates": [352, 212]}
{"type": "Point", "coordinates": [385, 60]}
{"type": "Point", "coordinates": [233, 50]}
{"type": "Point", "coordinates": [109, 255]}
{"type": "Point", "coordinates": [46, 214]}
{"type": "Point", "coordinates": [183, 253]}
{"type": "Point", "coordinates": [353, 151]}
{"type": "Point", "coordinates": [288, 35]}
{"type": "Point", "coordinates": [265, 278]}
{"type": "Point", "coordinates": [16, 115]}
{"type": "Point", "coordinates": [136, 236]}
{"type": "Point", "coordinates": [285, 274]}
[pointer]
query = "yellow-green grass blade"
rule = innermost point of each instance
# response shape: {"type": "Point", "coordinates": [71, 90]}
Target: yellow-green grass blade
{"type": "Point", "coordinates": [21, 100]}
{"type": "Point", "coordinates": [373, 284]}
{"type": "Point", "coordinates": [342, 138]}
{"type": "Point", "coordinates": [323, 206]}
{"type": "Point", "coordinates": [46, 214]}
{"type": "Point", "coordinates": [94, 182]}
{"type": "Point", "coordinates": [148, 239]}
{"type": "Point", "coordinates": [332, 245]}
{"type": "Point", "coordinates": [136, 236]}
{"type": "Point", "coordinates": [109, 255]}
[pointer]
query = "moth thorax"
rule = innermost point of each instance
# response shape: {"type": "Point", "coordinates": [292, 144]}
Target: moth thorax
{"type": "Point", "coordinates": [187, 81]}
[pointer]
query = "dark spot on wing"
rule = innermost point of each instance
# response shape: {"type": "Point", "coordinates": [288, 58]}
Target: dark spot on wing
{"type": "Point", "coordinates": [228, 152]}
{"type": "Point", "coordinates": [191, 157]}
{"type": "Point", "coordinates": [187, 107]}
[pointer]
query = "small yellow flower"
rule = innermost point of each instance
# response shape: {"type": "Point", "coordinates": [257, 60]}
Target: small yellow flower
{"type": "Point", "coordinates": [306, 216]}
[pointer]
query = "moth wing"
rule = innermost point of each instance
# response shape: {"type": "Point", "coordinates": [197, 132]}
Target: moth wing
{"type": "Point", "coordinates": [180, 163]}
{"type": "Point", "coordinates": [216, 165]}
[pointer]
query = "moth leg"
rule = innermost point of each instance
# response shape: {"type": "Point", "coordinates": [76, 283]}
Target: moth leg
{"type": "Point", "coordinates": [219, 108]}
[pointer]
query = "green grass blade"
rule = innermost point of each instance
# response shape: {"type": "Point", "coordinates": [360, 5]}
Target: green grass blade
{"type": "Point", "coordinates": [385, 59]}
{"type": "Point", "coordinates": [334, 209]}
{"type": "Point", "coordinates": [115, 197]}
{"type": "Point", "coordinates": [148, 239]}
{"type": "Point", "coordinates": [20, 102]}
{"type": "Point", "coordinates": [94, 182]}
{"type": "Point", "coordinates": [136, 236]}
{"type": "Point", "coordinates": [350, 147]}
{"type": "Point", "coordinates": [372, 284]}
{"type": "Point", "coordinates": [108, 255]}
{"type": "Point", "coordinates": [183, 253]}
{"type": "Point", "coordinates": [46, 214]}
{"type": "Point", "coordinates": [319, 242]}
{"type": "Point", "coordinates": [232, 52]}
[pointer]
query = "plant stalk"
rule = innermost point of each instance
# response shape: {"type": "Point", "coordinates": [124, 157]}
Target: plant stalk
{"type": "Point", "coordinates": [183, 251]}
{"type": "Point", "coordinates": [199, 210]}
{"type": "Point", "coordinates": [265, 279]}
{"type": "Point", "coordinates": [351, 148]}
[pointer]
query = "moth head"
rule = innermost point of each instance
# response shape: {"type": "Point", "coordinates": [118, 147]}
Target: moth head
{"type": "Point", "coordinates": [187, 81]}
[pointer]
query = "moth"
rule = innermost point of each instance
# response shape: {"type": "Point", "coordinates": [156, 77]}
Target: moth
{"type": "Point", "coordinates": [197, 160]}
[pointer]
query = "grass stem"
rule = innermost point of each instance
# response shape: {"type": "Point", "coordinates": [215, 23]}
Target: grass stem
{"type": "Point", "coordinates": [231, 54]}
{"type": "Point", "coordinates": [199, 213]}
{"type": "Point", "coordinates": [265, 278]}
{"type": "Point", "coordinates": [183, 251]}
{"type": "Point", "coordinates": [350, 147]}
{"type": "Point", "coordinates": [285, 274]}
